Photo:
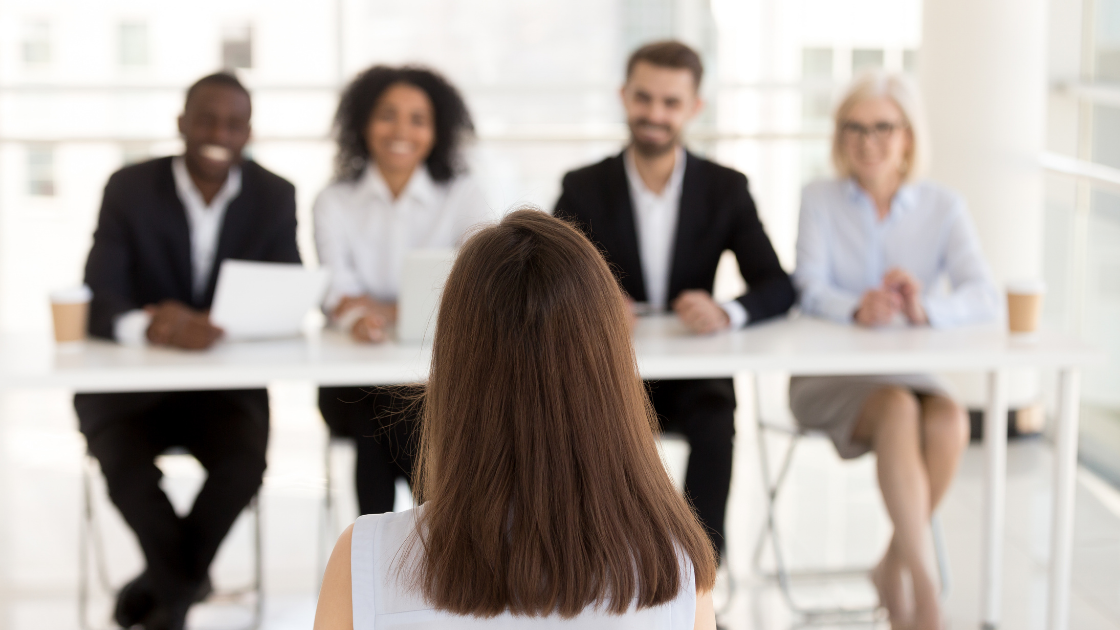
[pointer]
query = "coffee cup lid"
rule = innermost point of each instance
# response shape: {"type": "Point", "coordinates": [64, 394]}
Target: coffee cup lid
{"type": "Point", "coordinates": [1026, 286]}
{"type": "Point", "coordinates": [73, 295]}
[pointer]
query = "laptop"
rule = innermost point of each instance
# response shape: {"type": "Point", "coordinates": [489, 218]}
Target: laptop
{"type": "Point", "coordinates": [423, 275]}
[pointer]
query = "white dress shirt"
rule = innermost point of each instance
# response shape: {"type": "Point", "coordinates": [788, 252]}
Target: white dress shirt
{"type": "Point", "coordinates": [205, 223]}
{"type": "Point", "coordinates": [655, 217]}
{"type": "Point", "coordinates": [362, 233]}
{"type": "Point", "coordinates": [843, 250]}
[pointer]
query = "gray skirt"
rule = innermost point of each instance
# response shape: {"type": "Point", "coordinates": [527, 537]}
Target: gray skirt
{"type": "Point", "coordinates": [831, 404]}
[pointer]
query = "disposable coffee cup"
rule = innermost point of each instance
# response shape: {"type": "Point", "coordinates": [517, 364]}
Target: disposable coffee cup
{"type": "Point", "coordinates": [70, 309]}
{"type": "Point", "coordinates": [1024, 306]}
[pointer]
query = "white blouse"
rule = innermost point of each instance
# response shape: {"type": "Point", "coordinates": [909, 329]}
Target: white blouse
{"type": "Point", "coordinates": [382, 600]}
{"type": "Point", "coordinates": [362, 234]}
{"type": "Point", "coordinates": [843, 250]}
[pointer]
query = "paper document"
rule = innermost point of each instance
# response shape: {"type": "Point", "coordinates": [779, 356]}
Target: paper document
{"type": "Point", "coordinates": [258, 300]}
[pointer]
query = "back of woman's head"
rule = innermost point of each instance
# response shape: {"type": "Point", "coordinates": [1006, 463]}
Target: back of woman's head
{"type": "Point", "coordinates": [543, 489]}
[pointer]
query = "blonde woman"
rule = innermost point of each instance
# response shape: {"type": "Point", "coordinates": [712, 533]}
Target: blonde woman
{"type": "Point", "coordinates": [877, 246]}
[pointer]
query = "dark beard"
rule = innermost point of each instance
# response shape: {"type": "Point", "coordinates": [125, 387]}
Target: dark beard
{"type": "Point", "coordinates": [649, 150]}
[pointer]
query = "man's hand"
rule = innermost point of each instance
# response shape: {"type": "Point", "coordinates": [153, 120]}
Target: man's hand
{"type": "Point", "coordinates": [878, 307]}
{"type": "Point", "coordinates": [910, 290]}
{"type": "Point", "coordinates": [375, 317]}
{"type": "Point", "coordinates": [699, 312]}
{"type": "Point", "coordinates": [176, 324]}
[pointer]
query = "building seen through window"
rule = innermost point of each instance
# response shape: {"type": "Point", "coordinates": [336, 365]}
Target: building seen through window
{"type": "Point", "coordinates": [37, 43]}
{"type": "Point", "coordinates": [237, 46]}
{"type": "Point", "coordinates": [816, 72]}
{"type": "Point", "coordinates": [866, 59]}
{"type": "Point", "coordinates": [910, 61]}
{"type": "Point", "coordinates": [40, 170]}
{"type": "Point", "coordinates": [133, 44]}
{"type": "Point", "coordinates": [135, 152]}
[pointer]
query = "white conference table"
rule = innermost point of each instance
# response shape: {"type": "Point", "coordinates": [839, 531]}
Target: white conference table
{"type": "Point", "coordinates": [664, 350]}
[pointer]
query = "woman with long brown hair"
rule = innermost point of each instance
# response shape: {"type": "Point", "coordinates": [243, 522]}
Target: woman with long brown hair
{"type": "Point", "coordinates": [543, 501]}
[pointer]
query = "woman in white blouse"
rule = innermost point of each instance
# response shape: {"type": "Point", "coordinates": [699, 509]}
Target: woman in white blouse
{"type": "Point", "coordinates": [879, 247]}
{"type": "Point", "coordinates": [399, 185]}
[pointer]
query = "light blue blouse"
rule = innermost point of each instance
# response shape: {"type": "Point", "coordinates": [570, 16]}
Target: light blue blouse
{"type": "Point", "coordinates": [843, 250]}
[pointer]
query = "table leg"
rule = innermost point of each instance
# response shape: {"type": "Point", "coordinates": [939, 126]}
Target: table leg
{"type": "Point", "coordinates": [995, 481]}
{"type": "Point", "coordinates": [1065, 491]}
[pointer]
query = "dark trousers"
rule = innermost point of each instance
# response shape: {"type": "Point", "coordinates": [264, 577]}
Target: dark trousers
{"type": "Point", "coordinates": [382, 421]}
{"type": "Point", "coordinates": [227, 431]}
{"type": "Point", "coordinates": [704, 411]}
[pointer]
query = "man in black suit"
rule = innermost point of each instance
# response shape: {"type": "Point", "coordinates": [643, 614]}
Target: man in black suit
{"type": "Point", "coordinates": [662, 217]}
{"type": "Point", "coordinates": [164, 229]}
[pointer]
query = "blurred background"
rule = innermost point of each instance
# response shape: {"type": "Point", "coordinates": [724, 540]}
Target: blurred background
{"type": "Point", "coordinates": [87, 86]}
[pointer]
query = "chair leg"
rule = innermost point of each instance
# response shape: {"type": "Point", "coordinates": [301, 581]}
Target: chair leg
{"type": "Point", "coordinates": [326, 516]}
{"type": "Point", "coordinates": [772, 485]}
{"type": "Point", "coordinates": [84, 550]}
{"type": "Point", "coordinates": [258, 563]}
{"type": "Point", "coordinates": [942, 555]}
{"type": "Point", "coordinates": [769, 529]}
{"type": "Point", "coordinates": [91, 548]}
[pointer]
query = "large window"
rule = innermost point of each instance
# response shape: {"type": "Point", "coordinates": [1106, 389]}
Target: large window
{"type": "Point", "coordinates": [40, 170]}
{"type": "Point", "coordinates": [37, 42]}
{"type": "Point", "coordinates": [133, 44]}
{"type": "Point", "coordinates": [237, 46]}
{"type": "Point", "coordinates": [1083, 213]}
{"type": "Point", "coordinates": [541, 79]}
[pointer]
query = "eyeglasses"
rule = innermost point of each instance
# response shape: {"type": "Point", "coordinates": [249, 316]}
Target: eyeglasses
{"type": "Point", "coordinates": [878, 132]}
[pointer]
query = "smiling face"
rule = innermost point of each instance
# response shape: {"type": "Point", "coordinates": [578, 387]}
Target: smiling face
{"type": "Point", "coordinates": [215, 128]}
{"type": "Point", "coordinates": [401, 129]}
{"type": "Point", "coordinates": [876, 140]}
{"type": "Point", "coordinates": [659, 101]}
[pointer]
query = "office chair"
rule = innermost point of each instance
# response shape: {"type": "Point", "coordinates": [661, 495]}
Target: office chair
{"type": "Point", "coordinates": [772, 485]}
{"type": "Point", "coordinates": [91, 550]}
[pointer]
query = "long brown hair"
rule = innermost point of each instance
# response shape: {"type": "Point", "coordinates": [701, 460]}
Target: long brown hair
{"type": "Point", "coordinates": [542, 487]}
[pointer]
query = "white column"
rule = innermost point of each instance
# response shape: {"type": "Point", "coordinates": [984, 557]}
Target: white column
{"type": "Point", "coordinates": [982, 67]}
{"type": "Point", "coordinates": [983, 72]}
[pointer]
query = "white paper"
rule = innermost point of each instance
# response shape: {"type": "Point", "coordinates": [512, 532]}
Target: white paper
{"type": "Point", "coordinates": [259, 300]}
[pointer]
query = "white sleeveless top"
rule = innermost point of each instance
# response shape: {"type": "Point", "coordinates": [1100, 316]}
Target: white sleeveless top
{"type": "Point", "coordinates": [382, 602]}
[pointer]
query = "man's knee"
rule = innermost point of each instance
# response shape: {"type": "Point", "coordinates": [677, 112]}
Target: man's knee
{"type": "Point", "coordinates": [712, 410]}
{"type": "Point", "coordinates": [121, 459]}
{"type": "Point", "coordinates": [245, 467]}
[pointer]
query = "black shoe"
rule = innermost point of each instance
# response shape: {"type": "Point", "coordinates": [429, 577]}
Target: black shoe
{"type": "Point", "coordinates": [174, 616]}
{"type": "Point", "coordinates": [168, 617]}
{"type": "Point", "coordinates": [158, 619]}
{"type": "Point", "coordinates": [135, 602]}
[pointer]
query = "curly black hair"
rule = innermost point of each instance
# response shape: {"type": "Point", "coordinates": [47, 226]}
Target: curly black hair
{"type": "Point", "coordinates": [452, 120]}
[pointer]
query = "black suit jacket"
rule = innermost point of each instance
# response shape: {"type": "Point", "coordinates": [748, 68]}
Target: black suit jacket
{"type": "Point", "coordinates": [716, 214]}
{"type": "Point", "coordinates": [141, 249]}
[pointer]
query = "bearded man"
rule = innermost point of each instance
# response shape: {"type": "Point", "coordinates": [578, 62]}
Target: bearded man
{"type": "Point", "coordinates": [662, 217]}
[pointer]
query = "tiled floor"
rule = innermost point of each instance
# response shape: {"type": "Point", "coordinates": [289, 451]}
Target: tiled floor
{"type": "Point", "coordinates": [830, 515]}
